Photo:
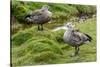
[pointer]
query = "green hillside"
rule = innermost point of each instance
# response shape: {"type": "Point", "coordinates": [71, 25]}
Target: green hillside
{"type": "Point", "coordinates": [32, 47]}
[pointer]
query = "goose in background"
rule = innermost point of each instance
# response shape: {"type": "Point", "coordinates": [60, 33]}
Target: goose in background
{"type": "Point", "coordinates": [75, 38]}
{"type": "Point", "coordinates": [39, 17]}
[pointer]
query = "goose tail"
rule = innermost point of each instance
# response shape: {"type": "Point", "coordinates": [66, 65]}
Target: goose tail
{"type": "Point", "coordinates": [89, 37]}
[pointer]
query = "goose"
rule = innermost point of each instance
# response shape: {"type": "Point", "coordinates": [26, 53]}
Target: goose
{"type": "Point", "coordinates": [75, 38]}
{"type": "Point", "coordinates": [39, 17]}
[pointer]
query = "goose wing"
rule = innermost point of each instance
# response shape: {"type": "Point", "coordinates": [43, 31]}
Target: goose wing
{"type": "Point", "coordinates": [76, 37]}
{"type": "Point", "coordinates": [86, 38]}
{"type": "Point", "coordinates": [38, 16]}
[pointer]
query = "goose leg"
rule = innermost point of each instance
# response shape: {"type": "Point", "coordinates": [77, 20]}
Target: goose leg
{"type": "Point", "coordinates": [38, 27]}
{"type": "Point", "coordinates": [76, 50]}
{"type": "Point", "coordinates": [41, 27]}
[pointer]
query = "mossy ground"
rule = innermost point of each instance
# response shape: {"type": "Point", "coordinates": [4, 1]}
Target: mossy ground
{"type": "Point", "coordinates": [33, 47]}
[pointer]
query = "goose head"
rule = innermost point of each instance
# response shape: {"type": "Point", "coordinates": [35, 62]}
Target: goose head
{"type": "Point", "coordinates": [70, 26]}
{"type": "Point", "coordinates": [45, 8]}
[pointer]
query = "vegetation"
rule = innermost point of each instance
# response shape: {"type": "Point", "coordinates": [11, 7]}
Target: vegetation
{"type": "Point", "coordinates": [33, 47]}
{"type": "Point", "coordinates": [61, 13]}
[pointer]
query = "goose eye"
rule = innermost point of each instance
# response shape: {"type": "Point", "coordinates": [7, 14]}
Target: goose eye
{"type": "Point", "coordinates": [67, 25]}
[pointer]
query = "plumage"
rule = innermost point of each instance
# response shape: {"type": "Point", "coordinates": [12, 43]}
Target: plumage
{"type": "Point", "coordinates": [39, 17]}
{"type": "Point", "coordinates": [75, 38]}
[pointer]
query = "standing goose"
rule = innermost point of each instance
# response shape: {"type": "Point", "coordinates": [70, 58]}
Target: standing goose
{"type": "Point", "coordinates": [39, 17]}
{"type": "Point", "coordinates": [75, 38]}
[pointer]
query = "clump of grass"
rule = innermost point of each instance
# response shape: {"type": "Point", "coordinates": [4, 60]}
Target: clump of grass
{"type": "Point", "coordinates": [33, 42]}
{"type": "Point", "coordinates": [45, 57]}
